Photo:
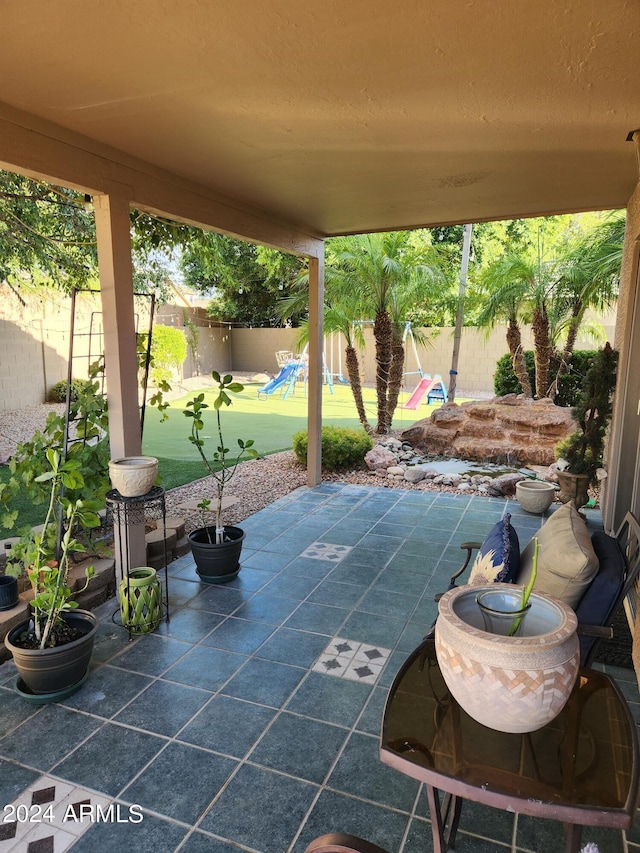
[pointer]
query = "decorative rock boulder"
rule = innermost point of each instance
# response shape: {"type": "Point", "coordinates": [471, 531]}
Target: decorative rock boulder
{"type": "Point", "coordinates": [379, 457]}
{"type": "Point", "coordinates": [507, 429]}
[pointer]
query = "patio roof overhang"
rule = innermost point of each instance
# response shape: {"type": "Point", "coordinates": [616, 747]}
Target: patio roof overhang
{"type": "Point", "coordinates": [287, 122]}
{"type": "Point", "coordinates": [344, 117]}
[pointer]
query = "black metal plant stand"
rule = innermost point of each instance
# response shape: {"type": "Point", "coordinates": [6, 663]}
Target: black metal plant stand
{"type": "Point", "coordinates": [126, 512]}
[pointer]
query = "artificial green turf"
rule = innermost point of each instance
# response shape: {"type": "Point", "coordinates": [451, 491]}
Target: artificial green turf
{"type": "Point", "coordinates": [270, 422]}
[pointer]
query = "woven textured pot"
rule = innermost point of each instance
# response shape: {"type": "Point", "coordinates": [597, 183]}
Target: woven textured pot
{"type": "Point", "coordinates": [133, 476]}
{"type": "Point", "coordinates": [534, 495]}
{"type": "Point", "coordinates": [140, 595]}
{"type": "Point", "coordinates": [511, 684]}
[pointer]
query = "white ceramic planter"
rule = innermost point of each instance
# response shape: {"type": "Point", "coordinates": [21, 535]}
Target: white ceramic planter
{"type": "Point", "coordinates": [534, 495]}
{"type": "Point", "coordinates": [133, 476]}
{"type": "Point", "coordinates": [511, 684]}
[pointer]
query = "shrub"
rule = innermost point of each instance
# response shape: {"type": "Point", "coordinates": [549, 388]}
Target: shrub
{"type": "Point", "coordinates": [58, 392]}
{"type": "Point", "coordinates": [168, 352]}
{"type": "Point", "coordinates": [504, 379]}
{"type": "Point", "coordinates": [571, 383]}
{"type": "Point", "coordinates": [341, 447]}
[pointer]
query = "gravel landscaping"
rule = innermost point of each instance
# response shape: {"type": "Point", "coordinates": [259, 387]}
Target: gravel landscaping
{"type": "Point", "coordinates": [257, 483]}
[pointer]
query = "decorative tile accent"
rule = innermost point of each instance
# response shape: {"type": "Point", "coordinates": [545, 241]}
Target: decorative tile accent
{"type": "Point", "coordinates": [355, 661]}
{"type": "Point", "coordinates": [41, 826]}
{"type": "Point", "coordinates": [326, 551]}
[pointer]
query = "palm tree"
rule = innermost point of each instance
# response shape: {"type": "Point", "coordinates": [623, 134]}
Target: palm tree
{"type": "Point", "coordinates": [503, 302]}
{"type": "Point", "coordinates": [339, 318]}
{"type": "Point", "coordinates": [588, 278]}
{"type": "Point", "coordinates": [380, 268]}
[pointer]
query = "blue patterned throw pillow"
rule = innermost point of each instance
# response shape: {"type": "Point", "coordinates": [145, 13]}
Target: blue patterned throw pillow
{"type": "Point", "coordinates": [499, 557]}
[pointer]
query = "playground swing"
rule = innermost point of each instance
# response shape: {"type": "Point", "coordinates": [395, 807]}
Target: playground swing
{"type": "Point", "coordinates": [431, 388]}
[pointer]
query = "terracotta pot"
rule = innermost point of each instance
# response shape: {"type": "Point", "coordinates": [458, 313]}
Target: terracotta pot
{"type": "Point", "coordinates": [573, 487]}
{"type": "Point", "coordinates": [133, 476]}
{"type": "Point", "coordinates": [534, 495]}
{"type": "Point", "coordinates": [511, 684]}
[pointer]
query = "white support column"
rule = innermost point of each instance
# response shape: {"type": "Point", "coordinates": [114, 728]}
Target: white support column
{"type": "Point", "coordinates": [116, 288]}
{"type": "Point", "coordinates": [314, 414]}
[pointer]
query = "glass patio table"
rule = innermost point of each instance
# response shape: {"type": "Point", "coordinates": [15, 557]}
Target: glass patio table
{"type": "Point", "coordinates": [581, 768]}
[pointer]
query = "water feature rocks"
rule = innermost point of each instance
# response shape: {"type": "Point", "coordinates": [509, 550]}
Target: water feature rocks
{"type": "Point", "coordinates": [414, 474]}
{"type": "Point", "coordinates": [507, 429]}
{"type": "Point", "coordinates": [379, 457]}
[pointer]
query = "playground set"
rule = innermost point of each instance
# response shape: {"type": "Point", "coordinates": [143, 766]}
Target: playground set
{"type": "Point", "coordinates": [293, 369]}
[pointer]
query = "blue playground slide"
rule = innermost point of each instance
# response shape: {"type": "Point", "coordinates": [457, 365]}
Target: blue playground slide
{"type": "Point", "coordinates": [279, 380]}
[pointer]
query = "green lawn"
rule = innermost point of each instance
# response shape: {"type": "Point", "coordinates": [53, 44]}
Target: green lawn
{"type": "Point", "coordinates": [271, 423]}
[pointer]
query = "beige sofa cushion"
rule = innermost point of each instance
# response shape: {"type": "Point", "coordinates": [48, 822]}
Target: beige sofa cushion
{"type": "Point", "coordinates": [567, 562]}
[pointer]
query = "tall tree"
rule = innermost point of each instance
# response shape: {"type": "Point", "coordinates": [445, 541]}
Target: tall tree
{"type": "Point", "coordinates": [339, 318]}
{"type": "Point", "coordinates": [246, 282]}
{"type": "Point", "coordinates": [589, 275]}
{"type": "Point", "coordinates": [502, 303]}
{"type": "Point", "coordinates": [47, 238]}
{"type": "Point", "coordinates": [378, 268]}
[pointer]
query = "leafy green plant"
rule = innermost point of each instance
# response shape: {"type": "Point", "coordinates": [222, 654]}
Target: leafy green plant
{"type": "Point", "coordinates": [90, 454]}
{"type": "Point", "coordinates": [218, 467]}
{"type": "Point", "coordinates": [58, 392]}
{"type": "Point", "coordinates": [341, 447]}
{"type": "Point", "coordinates": [584, 449]}
{"type": "Point", "coordinates": [48, 571]}
{"type": "Point", "coordinates": [570, 383]}
{"type": "Point", "coordinates": [168, 352]}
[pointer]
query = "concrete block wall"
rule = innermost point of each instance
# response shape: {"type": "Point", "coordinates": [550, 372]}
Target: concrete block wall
{"type": "Point", "coordinates": [34, 346]}
{"type": "Point", "coordinates": [213, 350]}
{"type": "Point", "coordinates": [254, 350]}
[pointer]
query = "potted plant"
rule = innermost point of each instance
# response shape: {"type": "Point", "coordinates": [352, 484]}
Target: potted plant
{"type": "Point", "coordinates": [511, 644]}
{"type": "Point", "coordinates": [216, 548]}
{"type": "Point", "coordinates": [52, 649]}
{"type": "Point", "coordinates": [580, 456]}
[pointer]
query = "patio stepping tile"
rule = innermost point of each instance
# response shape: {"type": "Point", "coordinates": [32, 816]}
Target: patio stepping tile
{"type": "Point", "coordinates": [180, 782]}
{"type": "Point", "coordinates": [163, 708]}
{"type": "Point", "coordinates": [228, 727]}
{"type": "Point", "coordinates": [261, 809]}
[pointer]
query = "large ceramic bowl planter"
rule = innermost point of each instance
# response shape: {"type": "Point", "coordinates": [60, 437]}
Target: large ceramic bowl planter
{"type": "Point", "coordinates": [59, 669]}
{"type": "Point", "coordinates": [133, 476]}
{"type": "Point", "coordinates": [534, 495]}
{"type": "Point", "coordinates": [512, 684]}
{"type": "Point", "coordinates": [217, 563]}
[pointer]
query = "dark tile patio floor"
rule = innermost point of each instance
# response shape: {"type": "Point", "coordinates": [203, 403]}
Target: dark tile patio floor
{"type": "Point", "coordinates": [225, 730]}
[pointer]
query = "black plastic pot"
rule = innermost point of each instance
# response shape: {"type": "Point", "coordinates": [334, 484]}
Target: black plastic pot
{"type": "Point", "coordinates": [217, 563]}
{"type": "Point", "coordinates": [60, 668]}
{"type": "Point", "coordinates": [8, 592]}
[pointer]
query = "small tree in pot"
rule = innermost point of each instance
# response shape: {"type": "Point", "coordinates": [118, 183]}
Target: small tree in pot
{"type": "Point", "coordinates": [580, 456]}
{"type": "Point", "coordinates": [52, 649]}
{"type": "Point", "coordinates": [216, 549]}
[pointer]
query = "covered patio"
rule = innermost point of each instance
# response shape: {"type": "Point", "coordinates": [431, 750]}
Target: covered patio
{"type": "Point", "coordinates": [251, 721]}
{"type": "Point", "coordinates": [284, 124]}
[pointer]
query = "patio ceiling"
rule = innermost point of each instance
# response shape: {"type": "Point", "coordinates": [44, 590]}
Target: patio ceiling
{"type": "Point", "coordinates": [340, 117]}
